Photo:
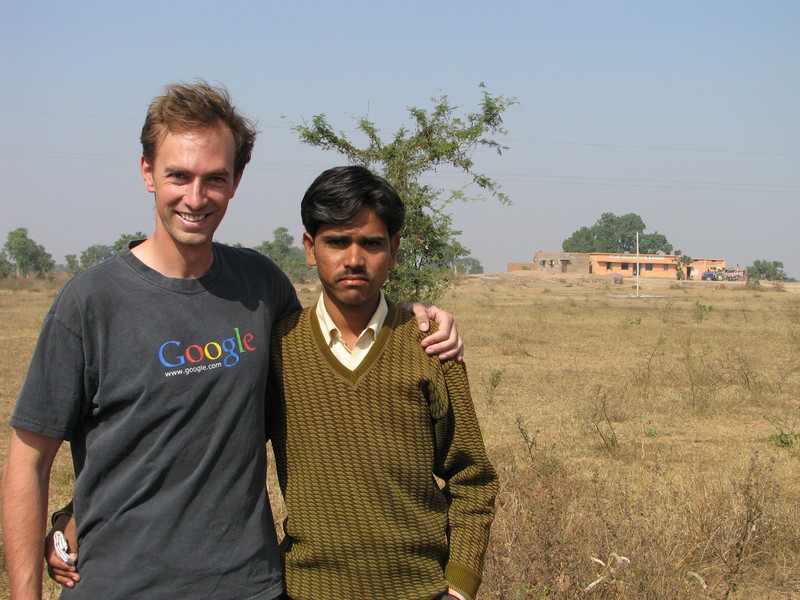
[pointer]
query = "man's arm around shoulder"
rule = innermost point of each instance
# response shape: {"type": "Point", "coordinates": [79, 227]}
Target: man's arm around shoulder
{"type": "Point", "coordinates": [26, 480]}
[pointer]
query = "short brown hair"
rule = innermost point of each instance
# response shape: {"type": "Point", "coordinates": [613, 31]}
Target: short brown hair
{"type": "Point", "coordinates": [185, 107]}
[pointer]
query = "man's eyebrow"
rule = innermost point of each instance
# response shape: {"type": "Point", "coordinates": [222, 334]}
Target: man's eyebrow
{"type": "Point", "coordinates": [224, 172]}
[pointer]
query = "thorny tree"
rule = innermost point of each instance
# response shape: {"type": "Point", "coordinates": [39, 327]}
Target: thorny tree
{"type": "Point", "coordinates": [439, 137]}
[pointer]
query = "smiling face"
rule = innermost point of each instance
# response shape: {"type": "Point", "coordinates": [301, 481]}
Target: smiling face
{"type": "Point", "coordinates": [352, 262]}
{"type": "Point", "coordinates": [192, 177]}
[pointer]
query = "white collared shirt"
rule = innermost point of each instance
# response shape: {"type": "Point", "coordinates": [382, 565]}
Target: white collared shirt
{"type": "Point", "coordinates": [351, 358]}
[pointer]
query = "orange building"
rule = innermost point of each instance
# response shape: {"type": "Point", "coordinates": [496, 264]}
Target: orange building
{"type": "Point", "coordinates": [650, 265]}
{"type": "Point", "coordinates": [609, 263]}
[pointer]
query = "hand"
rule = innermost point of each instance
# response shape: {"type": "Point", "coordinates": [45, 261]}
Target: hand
{"type": "Point", "coordinates": [59, 571]}
{"type": "Point", "coordinates": [445, 341]}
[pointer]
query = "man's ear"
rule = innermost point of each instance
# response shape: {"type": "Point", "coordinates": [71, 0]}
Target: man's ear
{"type": "Point", "coordinates": [308, 243]}
{"type": "Point", "coordinates": [394, 244]}
{"type": "Point", "coordinates": [146, 170]}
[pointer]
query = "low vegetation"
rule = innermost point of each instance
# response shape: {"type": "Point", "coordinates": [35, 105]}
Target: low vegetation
{"type": "Point", "coordinates": [648, 447]}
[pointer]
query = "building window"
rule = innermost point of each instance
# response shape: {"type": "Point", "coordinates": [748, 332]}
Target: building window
{"type": "Point", "coordinates": [542, 262]}
{"type": "Point", "coordinates": [666, 267]}
{"type": "Point", "coordinates": [648, 267]}
{"type": "Point", "coordinates": [608, 266]}
{"type": "Point", "coordinates": [624, 266]}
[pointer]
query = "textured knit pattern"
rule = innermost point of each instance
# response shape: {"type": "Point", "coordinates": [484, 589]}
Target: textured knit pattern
{"type": "Point", "coordinates": [356, 453]}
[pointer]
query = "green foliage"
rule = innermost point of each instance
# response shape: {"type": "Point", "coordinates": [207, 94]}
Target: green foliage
{"type": "Point", "coordinates": [26, 256]}
{"type": "Point", "coordinates": [491, 384]}
{"type": "Point", "coordinates": [785, 436]}
{"type": "Point", "coordinates": [612, 233]}
{"type": "Point", "coordinates": [291, 259]}
{"type": "Point", "coordinates": [682, 262]}
{"type": "Point", "coordinates": [469, 265]}
{"type": "Point", "coordinates": [5, 266]}
{"type": "Point", "coordinates": [784, 440]}
{"type": "Point", "coordinates": [700, 311]}
{"type": "Point", "coordinates": [73, 266]}
{"type": "Point", "coordinates": [437, 137]}
{"type": "Point", "coordinates": [764, 269]}
{"type": "Point", "coordinates": [94, 255]}
{"type": "Point", "coordinates": [127, 238]}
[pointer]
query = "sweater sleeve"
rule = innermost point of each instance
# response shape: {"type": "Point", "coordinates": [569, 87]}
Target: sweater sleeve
{"type": "Point", "coordinates": [470, 482]}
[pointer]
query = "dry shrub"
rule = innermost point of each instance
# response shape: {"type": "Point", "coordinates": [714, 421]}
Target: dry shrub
{"type": "Point", "coordinates": [699, 536]}
{"type": "Point", "coordinates": [531, 553]}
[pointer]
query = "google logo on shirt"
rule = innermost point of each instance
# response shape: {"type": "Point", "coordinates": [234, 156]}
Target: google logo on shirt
{"type": "Point", "coordinates": [171, 354]}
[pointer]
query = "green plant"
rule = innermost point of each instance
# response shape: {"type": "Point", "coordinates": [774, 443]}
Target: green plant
{"type": "Point", "coordinates": [491, 383]}
{"type": "Point", "coordinates": [701, 310]}
{"type": "Point", "coordinates": [785, 437]}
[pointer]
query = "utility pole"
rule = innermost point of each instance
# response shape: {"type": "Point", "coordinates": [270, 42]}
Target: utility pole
{"type": "Point", "coordinates": [638, 267]}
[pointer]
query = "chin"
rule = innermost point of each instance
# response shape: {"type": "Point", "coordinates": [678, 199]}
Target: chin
{"type": "Point", "coordinates": [193, 239]}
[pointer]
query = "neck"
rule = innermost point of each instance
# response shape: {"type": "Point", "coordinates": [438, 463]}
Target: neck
{"type": "Point", "coordinates": [174, 260]}
{"type": "Point", "coordinates": [350, 320]}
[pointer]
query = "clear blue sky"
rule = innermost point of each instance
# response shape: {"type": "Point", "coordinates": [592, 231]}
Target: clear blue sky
{"type": "Point", "coordinates": [685, 112]}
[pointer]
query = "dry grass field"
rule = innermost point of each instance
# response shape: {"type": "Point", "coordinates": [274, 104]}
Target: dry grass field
{"type": "Point", "coordinates": [648, 447]}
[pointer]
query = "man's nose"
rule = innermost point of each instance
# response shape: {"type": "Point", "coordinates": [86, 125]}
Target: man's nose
{"type": "Point", "coordinates": [354, 256]}
{"type": "Point", "coordinates": [196, 194]}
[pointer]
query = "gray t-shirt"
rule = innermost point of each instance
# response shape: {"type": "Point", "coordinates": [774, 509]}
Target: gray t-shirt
{"type": "Point", "coordinates": [158, 384]}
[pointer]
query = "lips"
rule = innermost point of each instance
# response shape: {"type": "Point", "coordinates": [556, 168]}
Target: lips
{"type": "Point", "coordinates": [352, 279]}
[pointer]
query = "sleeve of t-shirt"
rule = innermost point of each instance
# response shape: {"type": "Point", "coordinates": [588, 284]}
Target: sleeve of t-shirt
{"type": "Point", "coordinates": [54, 392]}
{"type": "Point", "coordinates": [290, 304]}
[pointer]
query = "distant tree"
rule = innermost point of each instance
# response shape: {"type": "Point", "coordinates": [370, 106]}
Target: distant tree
{"type": "Point", "coordinates": [582, 240]}
{"type": "Point", "coordinates": [469, 265]}
{"type": "Point", "coordinates": [768, 270]}
{"type": "Point", "coordinates": [291, 259]}
{"type": "Point", "coordinates": [126, 238]}
{"type": "Point", "coordinates": [73, 266]}
{"type": "Point", "coordinates": [682, 263]}
{"type": "Point", "coordinates": [653, 243]}
{"type": "Point", "coordinates": [94, 255]}
{"type": "Point", "coordinates": [26, 255]}
{"type": "Point", "coordinates": [5, 266]}
{"type": "Point", "coordinates": [437, 137]}
{"type": "Point", "coordinates": [612, 233]}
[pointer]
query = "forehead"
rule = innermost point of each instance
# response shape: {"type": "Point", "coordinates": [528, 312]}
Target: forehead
{"type": "Point", "coordinates": [366, 223]}
{"type": "Point", "coordinates": [216, 143]}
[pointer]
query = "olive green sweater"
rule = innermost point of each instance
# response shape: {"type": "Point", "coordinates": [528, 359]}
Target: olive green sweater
{"type": "Point", "coordinates": [357, 452]}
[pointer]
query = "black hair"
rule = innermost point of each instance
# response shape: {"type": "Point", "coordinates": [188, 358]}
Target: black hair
{"type": "Point", "coordinates": [338, 195]}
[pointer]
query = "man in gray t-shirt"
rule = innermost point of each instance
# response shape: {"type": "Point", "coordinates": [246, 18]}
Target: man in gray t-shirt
{"type": "Point", "coordinates": [152, 365]}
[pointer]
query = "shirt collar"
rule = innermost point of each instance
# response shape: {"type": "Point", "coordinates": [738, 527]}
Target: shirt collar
{"type": "Point", "coordinates": [331, 333]}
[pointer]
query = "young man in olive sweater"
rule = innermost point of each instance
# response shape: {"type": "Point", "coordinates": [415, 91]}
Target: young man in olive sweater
{"type": "Point", "coordinates": [361, 422]}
